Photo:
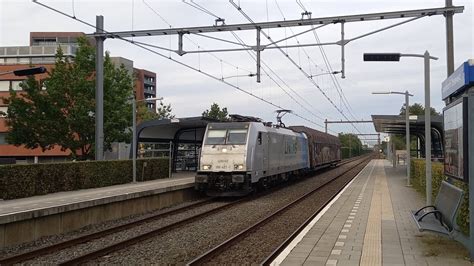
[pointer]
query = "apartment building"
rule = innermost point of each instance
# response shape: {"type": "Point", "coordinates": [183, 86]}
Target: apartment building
{"type": "Point", "coordinates": [41, 52]}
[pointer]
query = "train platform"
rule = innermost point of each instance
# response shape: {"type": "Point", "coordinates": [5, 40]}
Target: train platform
{"type": "Point", "coordinates": [61, 212]}
{"type": "Point", "coordinates": [369, 223]}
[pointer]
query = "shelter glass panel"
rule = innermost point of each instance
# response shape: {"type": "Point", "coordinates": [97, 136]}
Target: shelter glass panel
{"type": "Point", "coordinates": [454, 140]}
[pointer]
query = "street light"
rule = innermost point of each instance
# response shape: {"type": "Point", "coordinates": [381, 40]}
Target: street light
{"type": "Point", "coordinates": [328, 73]}
{"type": "Point", "coordinates": [134, 132]}
{"type": "Point", "coordinates": [426, 56]}
{"type": "Point", "coordinates": [407, 125]}
{"type": "Point", "coordinates": [26, 71]}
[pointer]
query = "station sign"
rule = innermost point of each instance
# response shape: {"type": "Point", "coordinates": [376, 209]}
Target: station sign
{"type": "Point", "coordinates": [456, 139]}
{"type": "Point", "coordinates": [462, 78]}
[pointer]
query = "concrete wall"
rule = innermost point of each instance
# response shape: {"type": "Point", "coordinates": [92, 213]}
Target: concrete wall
{"type": "Point", "coordinates": [32, 229]}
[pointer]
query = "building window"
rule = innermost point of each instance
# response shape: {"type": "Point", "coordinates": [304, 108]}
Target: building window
{"type": "Point", "coordinates": [16, 85]}
{"type": "Point", "coordinates": [3, 111]}
{"type": "Point", "coordinates": [3, 138]}
{"type": "Point", "coordinates": [4, 85]}
{"type": "Point", "coordinates": [43, 84]}
{"type": "Point", "coordinates": [11, 60]}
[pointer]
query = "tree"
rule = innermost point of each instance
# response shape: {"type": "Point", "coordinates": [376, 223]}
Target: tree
{"type": "Point", "coordinates": [350, 145]}
{"type": "Point", "coordinates": [216, 112]}
{"type": "Point", "coordinates": [145, 114]}
{"type": "Point", "coordinates": [418, 109]}
{"type": "Point", "coordinates": [64, 113]}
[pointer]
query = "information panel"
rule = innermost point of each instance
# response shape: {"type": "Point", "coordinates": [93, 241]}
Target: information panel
{"type": "Point", "coordinates": [455, 136]}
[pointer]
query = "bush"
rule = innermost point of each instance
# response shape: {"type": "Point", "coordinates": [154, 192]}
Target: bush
{"type": "Point", "coordinates": [19, 181]}
{"type": "Point", "coordinates": [418, 178]}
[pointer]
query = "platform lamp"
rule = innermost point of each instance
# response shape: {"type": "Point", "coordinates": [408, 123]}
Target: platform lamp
{"type": "Point", "coordinates": [407, 125]}
{"type": "Point", "coordinates": [134, 132]}
{"type": "Point", "coordinates": [25, 71]}
{"type": "Point", "coordinates": [426, 56]}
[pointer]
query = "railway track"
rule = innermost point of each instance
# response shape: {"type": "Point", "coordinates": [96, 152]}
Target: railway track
{"type": "Point", "coordinates": [40, 252]}
{"type": "Point", "coordinates": [96, 235]}
{"type": "Point", "coordinates": [222, 253]}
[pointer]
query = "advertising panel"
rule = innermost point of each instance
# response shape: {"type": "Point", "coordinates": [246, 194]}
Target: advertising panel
{"type": "Point", "coordinates": [455, 135]}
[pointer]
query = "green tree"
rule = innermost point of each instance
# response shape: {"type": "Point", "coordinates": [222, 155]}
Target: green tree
{"type": "Point", "coordinates": [216, 112]}
{"type": "Point", "coordinates": [145, 114]}
{"type": "Point", "coordinates": [418, 109]}
{"type": "Point", "coordinates": [63, 113]}
{"type": "Point", "coordinates": [350, 145]}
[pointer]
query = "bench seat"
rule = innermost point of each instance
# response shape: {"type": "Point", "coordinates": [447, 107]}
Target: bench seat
{"type": "Point", "coordinates": [441, 217]}
{"type": "Point", "coordinates": [429, 223]}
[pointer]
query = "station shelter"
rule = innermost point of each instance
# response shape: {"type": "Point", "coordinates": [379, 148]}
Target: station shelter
{"type": "Point", "coordinates": [396, 125]}
{"type": "Point", "coordinates": [179, 139]}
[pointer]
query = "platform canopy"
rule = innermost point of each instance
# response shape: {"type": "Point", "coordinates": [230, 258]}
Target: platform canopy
{"type": "Point", "coordinates": [395, 124]}
{"type": "Point", "coordinates": [187, 129]}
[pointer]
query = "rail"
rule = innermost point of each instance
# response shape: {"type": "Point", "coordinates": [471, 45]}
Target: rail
{"type": "Point", "coordinates": [204, 258]}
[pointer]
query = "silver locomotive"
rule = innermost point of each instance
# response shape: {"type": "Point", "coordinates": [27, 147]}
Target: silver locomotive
{"type": "Point", "coordinates": [237, 157]}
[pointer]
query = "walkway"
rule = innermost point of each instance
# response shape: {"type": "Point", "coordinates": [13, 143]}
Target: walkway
{"type": "Point", "coordinates": [370, 224]}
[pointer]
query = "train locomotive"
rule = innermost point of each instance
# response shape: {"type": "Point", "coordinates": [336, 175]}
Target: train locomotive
{"type": "Point", "coordinates": [238, 157]}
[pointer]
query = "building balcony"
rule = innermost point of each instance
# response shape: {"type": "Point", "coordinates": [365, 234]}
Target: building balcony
{"type": "Point", "coordinates": [13, 55]}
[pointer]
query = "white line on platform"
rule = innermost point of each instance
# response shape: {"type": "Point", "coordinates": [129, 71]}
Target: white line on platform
{"type": "Point", "coordinates": [278, 260]}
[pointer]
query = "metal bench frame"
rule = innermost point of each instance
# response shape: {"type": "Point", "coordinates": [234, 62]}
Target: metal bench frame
{"type": "Point", "coordinates": [440, 217]}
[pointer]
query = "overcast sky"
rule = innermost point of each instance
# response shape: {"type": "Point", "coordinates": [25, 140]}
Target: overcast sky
{"type": "Point", "coordinates": [190, 92]}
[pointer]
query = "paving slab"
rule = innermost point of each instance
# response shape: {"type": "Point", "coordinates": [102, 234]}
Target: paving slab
{"type": "Point", "coordinates": [370, 224]}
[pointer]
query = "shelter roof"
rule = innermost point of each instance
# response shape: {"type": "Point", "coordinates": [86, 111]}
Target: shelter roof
{"type": "Point", "coordinates": [167, 129]}
{"type": "Point", "coordinates": [395, 124]}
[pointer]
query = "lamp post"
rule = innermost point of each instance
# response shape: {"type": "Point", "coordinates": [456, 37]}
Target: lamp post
{"type": "Point", "coordinates": [407, 125]}
{"type": "Point", "coordinates": [26, 71]}
{"type": "Point", "coordinates": [134, 133]}
{"type": "Point", "coordinates": [426, 56]}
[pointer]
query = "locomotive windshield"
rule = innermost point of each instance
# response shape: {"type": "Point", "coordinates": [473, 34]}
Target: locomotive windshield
{"type": "Point", "coordinates": [224, 136]}
{"type": "Point", "coordinates": [216, 137]}
{"type": "Point", "coordinates": [236, 136]}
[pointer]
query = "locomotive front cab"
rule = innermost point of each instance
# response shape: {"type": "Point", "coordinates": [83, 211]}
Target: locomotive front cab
{"type": "Point", "coordinates": [223, 159]}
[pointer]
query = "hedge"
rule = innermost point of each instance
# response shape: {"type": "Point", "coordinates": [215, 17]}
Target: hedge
{"type": "Point", "coordinates": [19, 181]}
{"type": "Point", "coordinates": [418, 181]}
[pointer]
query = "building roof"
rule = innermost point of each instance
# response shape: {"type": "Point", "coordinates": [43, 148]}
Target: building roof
{"type": "Point", "coordinates": [165, 130]}
{"type": "Point", "coordinates": [395, 124]}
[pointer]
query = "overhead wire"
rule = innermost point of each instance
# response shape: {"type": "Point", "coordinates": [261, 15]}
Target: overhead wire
{"type": "Point", "coordinates": [191, 40]}
{"type": "Point", "coordinates": [293, 62]}
{"type": "Point", "coordinates": [330, 69]}
{"type": "Point", "coordinates": [252, 55]}
{"type": "Point", "coordinates": [175, 61]}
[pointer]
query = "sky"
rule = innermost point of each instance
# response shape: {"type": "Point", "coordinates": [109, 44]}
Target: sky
{"type": "Point", "coordinates": [283, 84]}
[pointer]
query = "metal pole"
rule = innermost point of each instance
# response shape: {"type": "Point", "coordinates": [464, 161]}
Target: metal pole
{"type": "Point", "coordinates": [180, 44]}
{"type": "Point", "coordinates": [99, 94]}
{"type": "Point", "coordinates": [407, 125]}
{"type": "Point", "coordinates": [258, 55]}
{"type": "Point", "coordinates": [350, 146]}
{"type": "Point", "coordinates": [134, 140]}
{"type": "Point", "coordinates": [449, 39]}
{"type": "Point", "coordinates": [470, 146]}
{"type": "Point", "coordinates": [427, 128]}
{"type": "Point", "coordinates": [394, 155]}
{"type": "Point", "coordinates": [170, 167]}
{"type": "Point", "coordinates": [326, 126]}
{"type": "Point", "coordinates": [343, 59]}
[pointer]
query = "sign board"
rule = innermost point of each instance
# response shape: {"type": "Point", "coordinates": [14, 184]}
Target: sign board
{"type": "Point", "coordinates": [455, 139]}
{"type": "Point", "coordinates": [459, 80]}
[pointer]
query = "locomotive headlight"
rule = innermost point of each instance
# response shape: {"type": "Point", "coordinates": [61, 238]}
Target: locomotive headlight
{"type": "Point", "coordinates": [206, 167]}
{"type": "Point", "coordinates": [224, 150]}
{"type": "Point", "coordinates": [238, 166]}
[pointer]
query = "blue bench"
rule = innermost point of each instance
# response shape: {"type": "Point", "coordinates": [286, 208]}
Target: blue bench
{"type": "Point", "coordinates": [441, 216]}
